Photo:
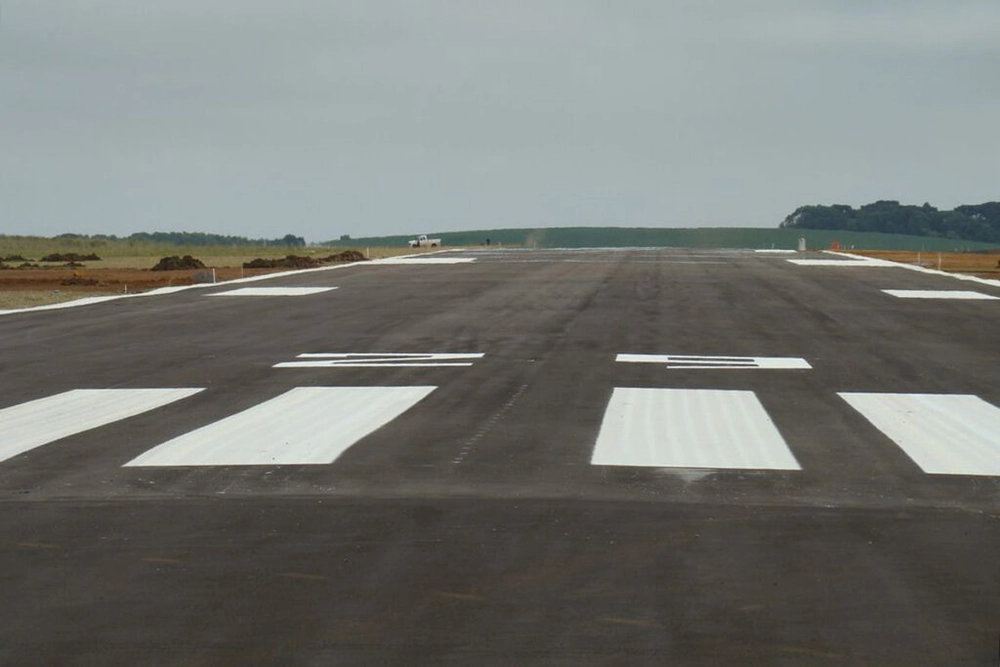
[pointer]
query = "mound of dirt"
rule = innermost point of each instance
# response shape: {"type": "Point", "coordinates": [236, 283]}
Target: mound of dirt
{"type": "Point", "coordinates": [346, 256]}
{"type": "Point", "coordinates": [289, 262]}
{"type": "Point", "coordinates": [175, 263]}
{"type": "Point", "coordinates": [77, 280]}
{"type": "Point", "coordinates": [299, 262]}
{"type": "Point", "coordinates": [70, 257]}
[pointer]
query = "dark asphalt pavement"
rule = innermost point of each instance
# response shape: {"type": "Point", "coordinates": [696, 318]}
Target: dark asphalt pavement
{"type": "Point", "coordinates": [472, 528]}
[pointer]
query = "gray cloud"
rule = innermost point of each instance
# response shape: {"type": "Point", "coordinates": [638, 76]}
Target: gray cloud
{"type": "Point", "coordinates": [318, 118]}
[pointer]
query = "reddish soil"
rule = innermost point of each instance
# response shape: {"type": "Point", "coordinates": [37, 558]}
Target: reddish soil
{"type": "Point", "coordinates": [111, 280]}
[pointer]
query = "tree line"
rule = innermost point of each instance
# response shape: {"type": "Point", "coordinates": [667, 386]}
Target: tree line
{"type": "Point", "coordinates": [972, 222]}
{"type": "Point", "coordinates": [190, 238]}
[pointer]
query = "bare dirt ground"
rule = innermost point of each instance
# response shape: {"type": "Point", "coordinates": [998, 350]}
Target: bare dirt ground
{"type": "Point", "coordinates": [984, 265]}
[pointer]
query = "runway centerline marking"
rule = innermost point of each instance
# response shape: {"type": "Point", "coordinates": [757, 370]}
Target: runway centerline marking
{"type": "Point", "coordinates": [938, 294]}
{"type": "Point", "coordinates": [701, 362]}
{"type": "Point", "coordinates": [273, 291]}
{"type": "Point", "coordinates": [944, 434]}
{"type": "Point", "coordinates": [306, 425]}
{"type": "Point", "coordinates": [690, 428]}
{"type": "Point", "coordinates": [39, 422]}
{"type": "Point", "coordinates": [381, 360]}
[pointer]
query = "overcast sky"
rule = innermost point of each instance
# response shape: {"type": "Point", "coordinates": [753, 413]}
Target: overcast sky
{"type": "Point", "coordinates": [322, 118]}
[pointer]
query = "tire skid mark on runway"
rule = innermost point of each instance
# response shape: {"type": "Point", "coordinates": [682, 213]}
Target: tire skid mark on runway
{"type": "Point", "coordinates": [489, 425]}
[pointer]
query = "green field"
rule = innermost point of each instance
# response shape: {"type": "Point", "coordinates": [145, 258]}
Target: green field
{"type": "Point", "coordinates": [706, 237]}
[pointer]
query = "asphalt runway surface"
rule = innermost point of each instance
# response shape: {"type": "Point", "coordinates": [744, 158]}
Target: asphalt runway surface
{"type": "Point", "coordinates": [509, 457]}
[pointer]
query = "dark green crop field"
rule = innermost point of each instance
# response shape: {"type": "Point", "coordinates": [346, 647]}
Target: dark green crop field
{"type": "Point", "coordinates": [705, 237]}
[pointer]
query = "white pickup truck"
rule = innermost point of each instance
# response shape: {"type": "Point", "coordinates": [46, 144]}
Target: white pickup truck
{"type": "Point", "coordinates": [423, 242]}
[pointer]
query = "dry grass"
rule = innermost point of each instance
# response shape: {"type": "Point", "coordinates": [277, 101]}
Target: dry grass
{"type": "Point", "coordinates": [14, 299]}
{"type": "Point", "coordinates": [119, 273]}
{"type": "Point", "coordinates": [984, 265]}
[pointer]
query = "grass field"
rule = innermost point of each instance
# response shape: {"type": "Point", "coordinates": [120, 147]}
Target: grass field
{"type": "Point", "coordinates": [124, 267]}
{"type": "Point", "coordinates": [131, 254]}
{"type": "Point", "coordinates": [700, 237]}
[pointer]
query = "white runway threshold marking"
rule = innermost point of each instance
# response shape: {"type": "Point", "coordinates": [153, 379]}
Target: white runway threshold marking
{"type": "Point", "coordinates": [381, 359]}
{"type": "Point", "coordinates": [307, 426]}
{"type": "Point", "coordinates": [705, 362]}
{"type": "Point", "coordinates": [273, 291]}
{"type": "Point", "coordinates": [937, 294]}
{"type": "Point", "coordinates": [35, 423]}
{"type": "Point", "coordinates": [944, 434]}
{"type": "Point", "coordinates": [690, 428]}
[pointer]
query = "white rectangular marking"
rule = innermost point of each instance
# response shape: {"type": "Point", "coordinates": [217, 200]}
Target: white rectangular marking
{"type": "Point", "coordinates": [845, 263]}
{"type": "Point", "coordinates": [306, 426]}
{"type": "Point", "coordinates": [704, 362]}
{"type": "Point", "coordinates": [381, 359]}
{"type": "Point", "coordinates": [944, 434]}
{"type": "Point", "coordinates": [421, 261]}
{"type": "Point", "coordinates": [273, 291]}
{"type": "Point", "coordinates": [937, 294]}
{"type": "Point", "coordinates": [690, 428]}
{"type": "Point", "coordinates": [35, 423]}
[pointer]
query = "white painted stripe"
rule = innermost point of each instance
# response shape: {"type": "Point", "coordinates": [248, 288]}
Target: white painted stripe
{"type": "Point", "coordinates": [273, 291]}
{"type": "Point", "coordinates": [421, 261]}
{"type": "Point", "coordinates": [706, 362]}
{"type": "Point", "coordinates": [944, 434]}
{"type": "Point", "coordinates": [381, 359]}
{"type": "Point", "coordinates": [307, 425]}
{"type": "Point", "coordinates": [776, 251]}
{"type": "Point", "coordinates": [922, 269]}
{"type": "Point", "coordinates": [690, 428]}
{"type": "Point", "coordinates": [937, 294]}
{"type": "Point", "coordinates": [846, 263]}
{"type": "Point", "coordinates": [35, 423]}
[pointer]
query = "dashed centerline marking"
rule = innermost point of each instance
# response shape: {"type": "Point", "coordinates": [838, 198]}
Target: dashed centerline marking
{"type": "Point", "coordinates": [706, 362]}
{"type": "Point", "coordinates": [489, 425]}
